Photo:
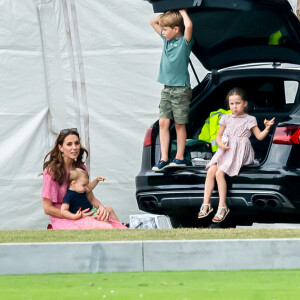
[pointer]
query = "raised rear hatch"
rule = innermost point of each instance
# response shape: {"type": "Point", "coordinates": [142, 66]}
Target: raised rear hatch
{"type": "Point", "coordinates": [229, 33]}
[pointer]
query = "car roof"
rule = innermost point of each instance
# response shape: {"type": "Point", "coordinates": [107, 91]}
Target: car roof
{"type": "Point", "coordinates": [278, 66]}
{"type": "Point", "coordinates": [228, 33]}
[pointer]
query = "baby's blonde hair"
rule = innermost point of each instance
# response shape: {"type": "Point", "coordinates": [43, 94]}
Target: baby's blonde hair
{"type": "Point", "coordinates": [76, 174]}
{"type": "Point", "coordinates": [172, 19]}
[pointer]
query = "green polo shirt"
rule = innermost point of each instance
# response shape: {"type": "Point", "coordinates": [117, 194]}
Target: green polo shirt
{"type": "Point", "coordinates": [174, 62]}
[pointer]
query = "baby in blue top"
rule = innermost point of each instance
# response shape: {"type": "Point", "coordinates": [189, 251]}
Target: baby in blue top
{"type": "Point", "coordinates": [175, 28]}
{"type": "Point", "coordinates": [75, 201]}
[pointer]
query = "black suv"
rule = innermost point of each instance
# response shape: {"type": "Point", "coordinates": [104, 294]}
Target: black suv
{"type": "Point", "coordinates": [254, 45]}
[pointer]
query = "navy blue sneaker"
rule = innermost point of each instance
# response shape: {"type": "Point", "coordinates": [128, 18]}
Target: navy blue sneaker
{"type": "Point", "coordinates": [177, 163]}
{"type": "Point", "coordinates": [160, 165]}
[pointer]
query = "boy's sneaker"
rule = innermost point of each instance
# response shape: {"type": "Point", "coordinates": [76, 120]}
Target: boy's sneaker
{"type": "Point", "coordinates": [177, 163]}
{"type": "Point", "coordinates": [160, 165]}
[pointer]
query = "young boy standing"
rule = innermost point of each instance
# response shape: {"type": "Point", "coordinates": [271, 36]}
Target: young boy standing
{"type": "Point", "coordinates": [175, 28]}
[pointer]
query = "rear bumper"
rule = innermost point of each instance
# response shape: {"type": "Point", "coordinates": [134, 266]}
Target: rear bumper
{"type": "Point", "coordinates": [264, 196]}
{"type": "Point", "coordinates": [266, 193]}
{"type": "Point", "coordinates": [238, 199]}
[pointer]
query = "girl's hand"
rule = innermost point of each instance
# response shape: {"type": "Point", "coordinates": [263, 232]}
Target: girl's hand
{"type": "Point", "coordinates": [100, 178]}
{"type": "Point", "coordinates": [86, 213]}
{"type": "Point", "coordinates": [269, 123]}
{"type": "Point", "coordinates": [224, 146]}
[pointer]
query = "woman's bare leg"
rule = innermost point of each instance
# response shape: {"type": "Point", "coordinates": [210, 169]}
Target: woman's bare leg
{"type": "Point", "coordinates": [112, 213]}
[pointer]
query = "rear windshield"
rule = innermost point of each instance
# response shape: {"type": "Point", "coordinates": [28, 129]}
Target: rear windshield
{"type": "Point", "coordinates": [217, 31]}
{"type": "Point", "coordinates": [231, 26]}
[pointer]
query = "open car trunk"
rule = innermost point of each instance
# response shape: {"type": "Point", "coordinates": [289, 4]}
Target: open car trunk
{"type": "Point", "coordinates": [234, 33]}
{"type": "Point", "coordinates": [268, 97]}
{"type": "Point", "coordinates": [228, 33]}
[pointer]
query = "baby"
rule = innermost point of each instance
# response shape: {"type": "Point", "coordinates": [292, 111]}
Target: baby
{"type": "Point", "coordinates": [75, 203]}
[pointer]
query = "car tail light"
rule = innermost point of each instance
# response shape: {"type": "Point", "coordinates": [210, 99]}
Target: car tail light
{"type": "Point", "coordinates": [287, 135]}
{"type": "Point", "coordinates": [148, 137]}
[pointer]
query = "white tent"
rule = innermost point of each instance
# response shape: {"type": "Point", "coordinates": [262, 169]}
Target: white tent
{"type": "Point", "coordinates": [90, 64]}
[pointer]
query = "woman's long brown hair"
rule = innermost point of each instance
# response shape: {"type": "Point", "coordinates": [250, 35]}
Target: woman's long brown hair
{"type": "Point", "coordinates": [55, 164]}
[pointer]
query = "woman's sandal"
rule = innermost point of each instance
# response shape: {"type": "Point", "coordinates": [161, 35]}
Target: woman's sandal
{"type": "Point", "coordinates": [219, 216]}
{"type": "Point", "coordinates": [203, 212]}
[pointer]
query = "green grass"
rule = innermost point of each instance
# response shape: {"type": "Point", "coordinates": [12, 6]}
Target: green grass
{"type": "Point", "coordinates": [28, 236]}
{"type": "Point", "coordinates": [188, 285]}
{"type": "Point", "coordinates": [183, 285]}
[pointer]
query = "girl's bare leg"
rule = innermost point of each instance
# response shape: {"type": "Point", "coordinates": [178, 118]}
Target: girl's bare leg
{"type": "Point", "coordinates": [209, 185]}
{"type": "Point", "coordinates": [222, 188]}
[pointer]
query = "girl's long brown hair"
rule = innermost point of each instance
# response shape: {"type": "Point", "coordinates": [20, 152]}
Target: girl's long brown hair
{"type": "Point", "coordinates": [55, 164]}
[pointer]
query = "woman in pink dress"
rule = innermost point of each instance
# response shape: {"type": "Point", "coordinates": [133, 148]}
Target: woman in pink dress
{"type": "Point", "coordinates": [234, 151]}
{"type": "Point", "coordinates": [66, 155]}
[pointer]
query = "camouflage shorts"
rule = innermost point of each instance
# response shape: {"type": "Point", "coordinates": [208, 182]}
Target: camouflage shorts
{"type": "Point", "coordinates": [174, 103]}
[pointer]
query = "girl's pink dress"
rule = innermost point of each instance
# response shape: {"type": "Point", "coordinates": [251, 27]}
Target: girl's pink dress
{"type": "Point", "coordinates": [238, 132]}
{"type": "Point", "coordinates": [55, 192]}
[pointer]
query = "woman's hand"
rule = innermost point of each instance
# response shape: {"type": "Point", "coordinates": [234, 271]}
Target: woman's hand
{"type": "Point", "coordinates": [100, 178]}
{"type": "Point", "coordinates": [102, 214]}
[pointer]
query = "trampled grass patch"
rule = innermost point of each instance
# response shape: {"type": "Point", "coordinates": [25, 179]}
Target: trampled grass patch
{"type": "Point", "coordinates": [183, 285]}
{"type": "Point", "coordinates": [29, 236]}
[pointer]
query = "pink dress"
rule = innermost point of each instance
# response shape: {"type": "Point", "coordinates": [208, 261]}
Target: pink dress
{"type": "Point", "coordinates": [55, 192]}
{"type": "Point", "coordinates": [238, 132]}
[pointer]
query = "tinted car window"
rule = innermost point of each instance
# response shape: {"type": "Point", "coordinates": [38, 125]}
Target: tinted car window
{"type": "Point", "coordinates": [216, 32]}
{"type": "Point", "coordinates": [290, 89]}
{"type": "Point", "coordinates": [265, 32]}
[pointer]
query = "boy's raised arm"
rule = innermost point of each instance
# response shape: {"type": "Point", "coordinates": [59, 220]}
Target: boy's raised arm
{"type": "Point", "coordinates": [188, 32]}
{"type": "Point", "coordinates": [155, 24]}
